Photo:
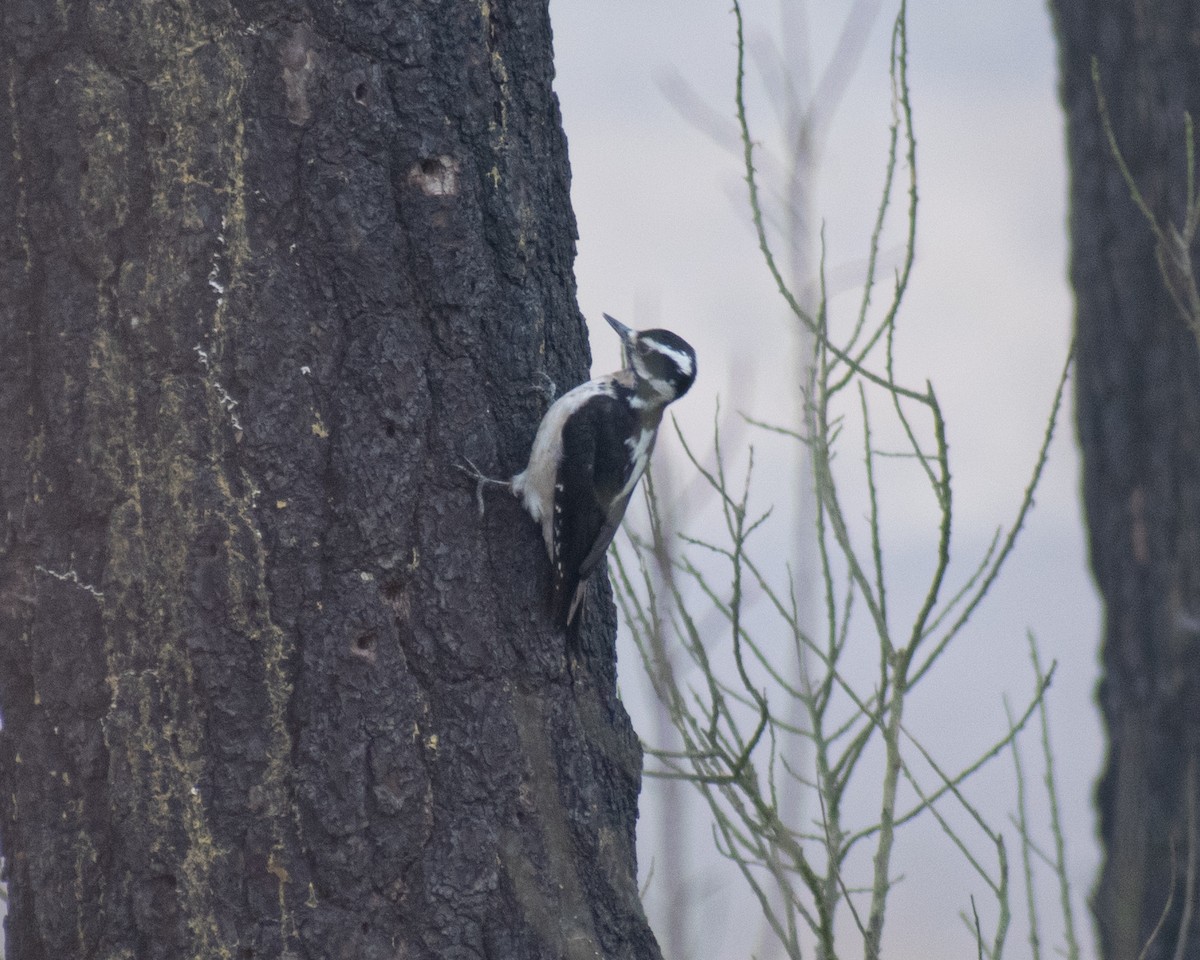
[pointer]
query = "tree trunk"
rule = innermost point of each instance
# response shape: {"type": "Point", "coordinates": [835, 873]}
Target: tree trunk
{"type": "Point", "coordinates": [270, 686]}
{"type": "Point", "coordinates": [1138, 399]}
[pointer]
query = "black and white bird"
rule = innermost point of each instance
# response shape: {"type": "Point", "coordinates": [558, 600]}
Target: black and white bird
{"type": "Point", "coordinates": [592, 448]}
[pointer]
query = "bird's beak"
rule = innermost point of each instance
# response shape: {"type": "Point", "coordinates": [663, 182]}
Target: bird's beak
{"type": "Point", "coordinates": [628, 337]}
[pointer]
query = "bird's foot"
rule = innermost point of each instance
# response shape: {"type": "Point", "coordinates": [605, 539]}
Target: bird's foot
{"type": "Point", "coordinates": [481, 481]}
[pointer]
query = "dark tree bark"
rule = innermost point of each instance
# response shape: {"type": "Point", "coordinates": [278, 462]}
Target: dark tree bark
{"type": "Point", "coordinates": [270, 686]}
{"type": "Point", "coordinates": [1139, 426]}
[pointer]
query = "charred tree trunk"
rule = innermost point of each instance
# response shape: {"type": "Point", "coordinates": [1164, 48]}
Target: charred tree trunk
{"type": "Point", "coordinates": [1139, 425]}
{"type": "Point", "coordinates": [270, 686]}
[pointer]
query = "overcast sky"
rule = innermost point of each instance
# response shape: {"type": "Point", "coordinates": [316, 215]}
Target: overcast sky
{"type": "Point", "coordinates": [665, 241]}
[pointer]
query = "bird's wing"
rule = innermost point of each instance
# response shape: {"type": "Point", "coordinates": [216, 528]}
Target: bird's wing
{"type": "Point", "coordinates": [590, 494]}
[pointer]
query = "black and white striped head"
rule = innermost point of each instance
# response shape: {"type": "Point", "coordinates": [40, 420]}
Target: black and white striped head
{"type": "Point", "coordinates": [661, 361]}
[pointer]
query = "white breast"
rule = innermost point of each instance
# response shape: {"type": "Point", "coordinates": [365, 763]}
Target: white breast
{"type": "Point", "coordinates": [535, 484]}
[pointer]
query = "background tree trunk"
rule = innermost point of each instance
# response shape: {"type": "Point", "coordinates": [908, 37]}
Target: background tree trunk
{"type": "Point", "coordinates": [270, 687]}
{"type": "Point", "coordinates": [1139, 425]}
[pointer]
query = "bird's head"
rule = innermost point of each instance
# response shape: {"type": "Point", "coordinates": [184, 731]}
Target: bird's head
{"type": "Point", "coordinates": [662, 362]}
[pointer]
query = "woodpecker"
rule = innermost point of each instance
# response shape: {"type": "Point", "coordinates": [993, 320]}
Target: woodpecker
{"type": "Point", "coordinates": [592, 448]}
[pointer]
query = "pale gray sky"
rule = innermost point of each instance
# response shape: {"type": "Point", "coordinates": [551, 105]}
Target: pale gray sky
{"type": "Point", "coordinates": [665, 240]}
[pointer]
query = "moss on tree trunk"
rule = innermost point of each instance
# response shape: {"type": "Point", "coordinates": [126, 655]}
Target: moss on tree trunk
{"type": "Point", "coordinates": [270, 686]}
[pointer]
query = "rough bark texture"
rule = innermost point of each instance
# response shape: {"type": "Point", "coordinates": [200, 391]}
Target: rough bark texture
{"type": "Point", "coordinates": [270, 686]}
{"type": "Point", "coordinates": [1139, 425]}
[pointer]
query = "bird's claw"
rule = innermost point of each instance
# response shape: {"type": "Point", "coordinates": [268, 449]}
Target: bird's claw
{"type": "Point", "coordinates": [480, 479]}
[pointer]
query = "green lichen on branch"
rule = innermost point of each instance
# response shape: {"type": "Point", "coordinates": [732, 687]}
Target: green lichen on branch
{"type": "Point", "coordinates": [1173, 243]}
{"type": "Point", "coordinates": [781, 709]}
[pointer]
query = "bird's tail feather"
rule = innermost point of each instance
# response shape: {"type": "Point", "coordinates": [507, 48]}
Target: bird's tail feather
{"type": "Point", "coordinates": [565, 609]}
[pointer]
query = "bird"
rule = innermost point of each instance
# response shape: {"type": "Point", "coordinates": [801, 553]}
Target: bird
{"type": "Point", "coordinates": [591, 448]}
